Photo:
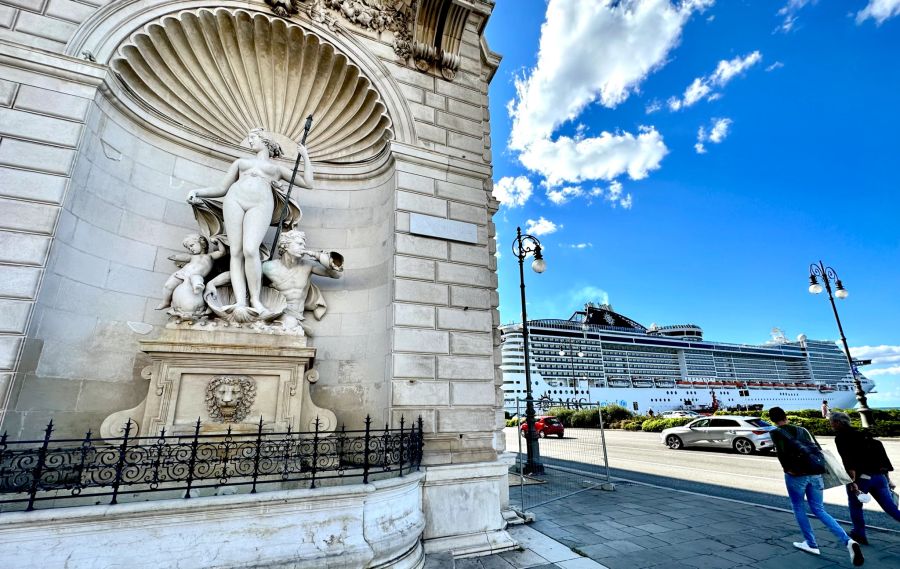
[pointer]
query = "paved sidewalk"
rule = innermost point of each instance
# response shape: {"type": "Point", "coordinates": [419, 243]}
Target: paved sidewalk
{"type": "Point", "coordinates": [640, 526]}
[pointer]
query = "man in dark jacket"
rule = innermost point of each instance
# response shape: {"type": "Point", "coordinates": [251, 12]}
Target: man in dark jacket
{"type": "Point", "coordinates": [789, 442]}
{"type": "Point", "coordinates": [868, 466]}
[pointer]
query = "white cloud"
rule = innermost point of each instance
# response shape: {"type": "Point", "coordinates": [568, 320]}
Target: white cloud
{"type": "Point", "coordinates": [878, 354]}
{"type": "Point", "coordinates": [789, 13]}
{"type": "Point", "coordinates": [879, 10]}
{"type": "Point", "coordinates": [614, 195]}
{"type": "Point", "coordinates": [562, 196]}
{"type": "Point", "coordinates": [581, 245]}
{"type": "Point", "coordinates": [594, 51]}
{"type": "Point", "coordinates": [653, 106]}
{"type": "Point", "coordinates": [588, 294]}
{"type": "Point", "coordinates": [892, 370]}
{"type": "Point", "coordinates": [589, 51]}
{"type": "Point", "coordinates": [774, 66]}
{"type": "Point", "coordinates": [719, 130]}
{"type": "Point", "coordinates": [704, 87]}
{"type": "Point", "coordinates": [513, 192]}
{"type": "Point", "coordinates": [605, 157]}
{"type": "Point", "coordinates": [541, 226]}
{"type": "Point", "coordinates": [888, 392]}
{"type": "Point", "coordinates": [715, 134]}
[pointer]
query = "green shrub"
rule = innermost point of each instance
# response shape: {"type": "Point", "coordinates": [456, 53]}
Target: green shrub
{"type": "Point", "coordinates": [512, 422]}
{"type": "Point", "coordinates": [563, 414]}
{"type": "Point", "coordinates": [631, 425]}
{"type": "Point", "coordinates": [613, 413]}
{"type": "Point", "coordinates": [585, 418]}
{"type": "Point", "coordinates": [886, 428]}
{"type": "Point", "coordinates": [658, 425]}
{"type": "Point", "coordinates": [816, 426]}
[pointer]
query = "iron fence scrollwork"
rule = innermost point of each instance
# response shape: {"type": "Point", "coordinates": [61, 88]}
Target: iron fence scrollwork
{"type": "Point", "coordinates": [90, 470]}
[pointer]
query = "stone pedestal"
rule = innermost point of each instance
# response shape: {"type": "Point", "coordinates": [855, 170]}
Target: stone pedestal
{"type": "Point", "coordinates": [463, 504]}
{"type": "Point", "coordinates": [225, 378]}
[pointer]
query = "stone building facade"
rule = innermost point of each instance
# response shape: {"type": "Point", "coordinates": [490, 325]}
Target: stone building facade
{"type": "Point", "coordinates": [102, 136]}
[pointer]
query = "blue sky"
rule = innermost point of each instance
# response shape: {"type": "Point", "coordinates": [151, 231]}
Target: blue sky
{"type": "Point", "coordinates": [687, 160]}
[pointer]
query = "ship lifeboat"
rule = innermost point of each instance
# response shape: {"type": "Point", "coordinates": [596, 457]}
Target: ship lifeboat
{"type": "Point", "coordinates": [826, 389]}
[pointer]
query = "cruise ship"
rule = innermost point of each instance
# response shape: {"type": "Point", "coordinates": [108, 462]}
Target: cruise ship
{"type": "Point", "coordinates": [601, 356]}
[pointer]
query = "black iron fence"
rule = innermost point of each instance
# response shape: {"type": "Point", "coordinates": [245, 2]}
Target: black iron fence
{"type": "Point", "coordinates": [70, 470]}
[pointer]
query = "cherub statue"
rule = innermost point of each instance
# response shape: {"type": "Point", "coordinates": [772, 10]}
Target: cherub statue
{"type": "Point", "coordinates": [249, 193]}
{"type": "Point", "coordinates": [290, 274]}
{"type": "Point", "coordinates": [183, 291]}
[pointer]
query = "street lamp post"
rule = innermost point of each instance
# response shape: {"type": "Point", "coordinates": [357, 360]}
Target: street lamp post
{"type": "Point", "coordinates": [523, 246]}
{"type": "Point", "coordinates": [827, 274]}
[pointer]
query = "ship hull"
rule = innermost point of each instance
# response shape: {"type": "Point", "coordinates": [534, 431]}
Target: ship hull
{"type": "Point", "coordinates": [640, 400]}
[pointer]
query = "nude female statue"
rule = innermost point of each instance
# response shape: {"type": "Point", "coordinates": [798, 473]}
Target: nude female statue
{"type": "Point", "coordinates": [248, 209]}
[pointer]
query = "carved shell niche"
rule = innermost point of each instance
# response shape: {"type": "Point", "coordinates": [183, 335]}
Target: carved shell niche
{"type": "Point", "coordinates": [221, 72]}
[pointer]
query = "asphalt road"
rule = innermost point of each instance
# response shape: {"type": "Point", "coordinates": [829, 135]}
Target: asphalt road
{"type": "Point", "coordinates": [756, 479]}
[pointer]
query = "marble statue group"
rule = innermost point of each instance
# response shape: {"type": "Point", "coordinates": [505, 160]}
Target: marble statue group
{"type": "Point", "coordinates": [257, 289]}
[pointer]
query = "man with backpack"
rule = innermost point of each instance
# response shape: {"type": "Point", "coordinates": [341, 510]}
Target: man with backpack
{"type": "Point", "coordinates": [803, 464]}
{"type": "Point", "coordinates": [868, 465]}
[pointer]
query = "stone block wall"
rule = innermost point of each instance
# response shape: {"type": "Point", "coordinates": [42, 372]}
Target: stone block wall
{"type": "Point", "coordinates": [41, 126]}
{"type": "Point", "coordinates": [411, 328]}
{"type": "Point", "coordinates": [45, 24]}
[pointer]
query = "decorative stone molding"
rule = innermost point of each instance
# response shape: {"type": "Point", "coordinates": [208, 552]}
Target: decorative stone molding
{"type": "Point", "coordinates": [222, 72]}
{"type": "Point", "coordinates": [438, 35]}
{"type": "Point", "coordinates": [225, 378]}
{"type": "Point", "coordinates": [230, 397]}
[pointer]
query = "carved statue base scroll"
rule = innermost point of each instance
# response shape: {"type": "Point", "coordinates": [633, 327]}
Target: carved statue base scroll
{"type": "Point", "coordinates": [227, 379]}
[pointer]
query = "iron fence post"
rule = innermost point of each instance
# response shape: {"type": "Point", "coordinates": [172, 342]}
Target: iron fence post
{"type": "Point", "coordinates": [120, 464]}
{"type": "Point", "coordinates": [192, 461]}
{"type": "Point", "coordinates": [85, 447]}
{"type": "Point", "coordinates": [421, 444]}
{"type": "Point", "coordinates": [38, 471]}
{"type": "Point", "coordinates": [385, 447]}
{"type": "Point", "coordinates": [401, 446]}
{"type": "Point", "coordinates": [256, 456]}
{"type": "Point", "coordinates": [315, 454]}
{"type": "Point", "coordinates": [366, 440]}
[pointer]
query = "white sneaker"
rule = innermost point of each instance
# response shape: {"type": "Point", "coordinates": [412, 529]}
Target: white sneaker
{"type": "Point", "coordinates": [856, 556]}
{"type": "Point", "coordinates": [805, 547]}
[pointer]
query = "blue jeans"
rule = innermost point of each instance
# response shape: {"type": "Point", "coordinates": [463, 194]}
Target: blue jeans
{"type": "Point", "coordinates": [812, 487]}
{"type": "Point", "coordinates": [878, 488]}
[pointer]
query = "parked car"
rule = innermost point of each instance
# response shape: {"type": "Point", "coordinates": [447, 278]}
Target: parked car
{"type": "Point", "coordinates": [545, 425]}
{"type": "Point", "coordinates": [679, 413]}
{"type": "Point", "coordinates": [743, 434]}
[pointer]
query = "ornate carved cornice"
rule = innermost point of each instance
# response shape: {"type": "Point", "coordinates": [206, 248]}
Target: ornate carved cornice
{"type": "Point", "coordinates": [427, 32]}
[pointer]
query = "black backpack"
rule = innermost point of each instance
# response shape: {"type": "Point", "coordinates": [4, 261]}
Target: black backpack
{"type": "Point", "coordinates": [805, 455]}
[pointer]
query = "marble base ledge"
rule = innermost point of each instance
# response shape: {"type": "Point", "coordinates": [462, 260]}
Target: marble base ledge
{"type": "Point", "coordinates": [363, 526]}
{"type": "Point", "coordinates": [463, 506]}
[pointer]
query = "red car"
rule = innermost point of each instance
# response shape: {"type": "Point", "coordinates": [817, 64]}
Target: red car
{"type": "Point", "coordinates": [546, 426]}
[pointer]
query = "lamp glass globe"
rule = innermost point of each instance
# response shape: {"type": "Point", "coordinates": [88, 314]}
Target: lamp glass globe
{"type": "Point", "coordinates": [815, 288]}
{"type": "Point", "coordinates": [842, 293]}
{"type": "Point", "coordinates": [539, 265]}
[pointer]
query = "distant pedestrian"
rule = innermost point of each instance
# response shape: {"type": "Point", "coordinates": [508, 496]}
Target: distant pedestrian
{"type": "Point", "coordinates": [825, 409]}
{"type": "Point", "coordinates": [868, 465]}
{"type": "Point", "coordinates": [650, 413]}
{"type": "Point", "coordinates": [803, 465]}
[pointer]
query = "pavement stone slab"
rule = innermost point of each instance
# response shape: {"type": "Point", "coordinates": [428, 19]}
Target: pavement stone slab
{"type": "Point", "coordinates": [640, 527]}
{"type": "Point", "coordinates": [520, 559]}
